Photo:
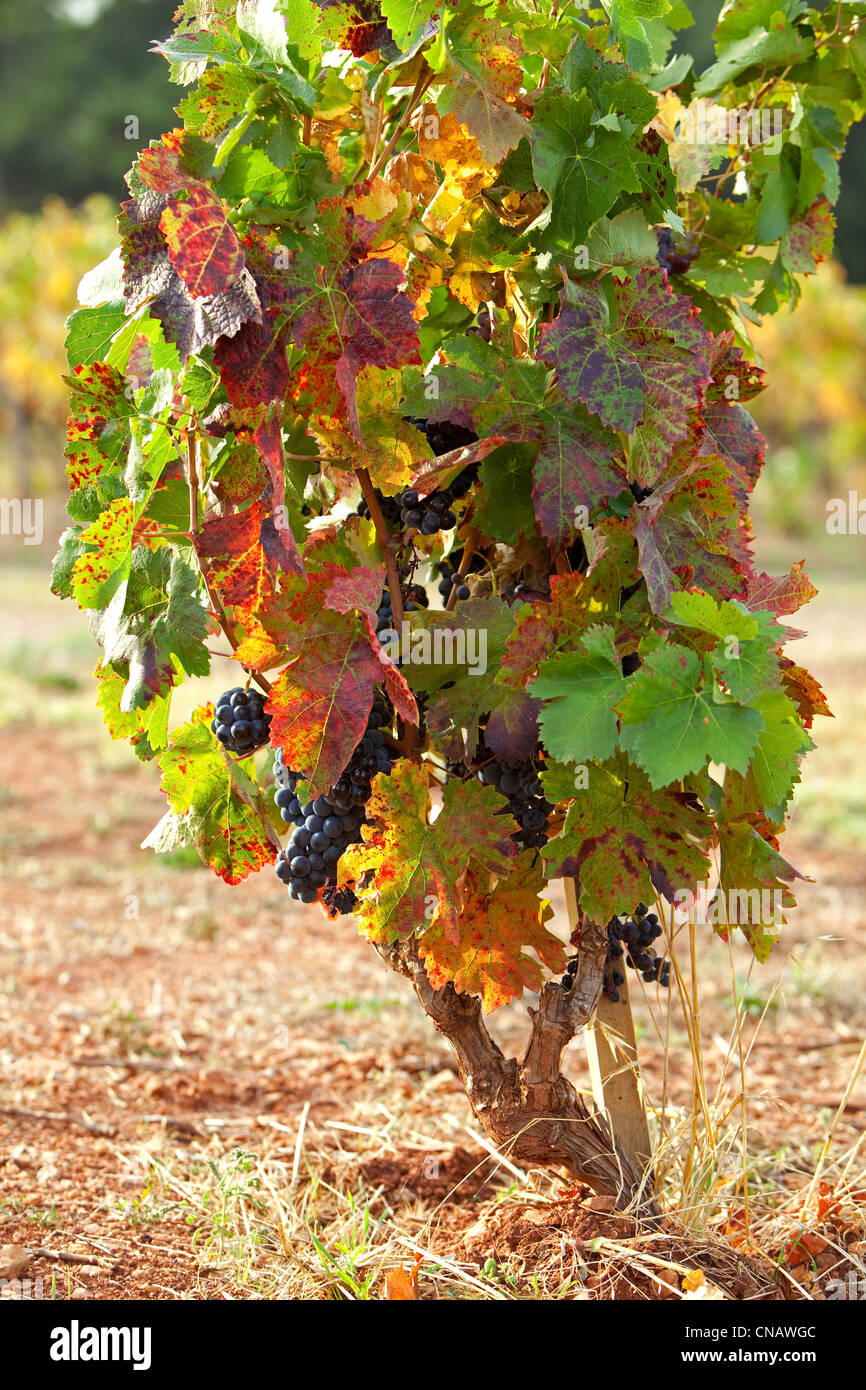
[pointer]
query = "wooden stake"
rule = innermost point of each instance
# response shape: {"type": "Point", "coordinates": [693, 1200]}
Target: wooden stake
{"type": "Point", "coordinates": [614, 1069]}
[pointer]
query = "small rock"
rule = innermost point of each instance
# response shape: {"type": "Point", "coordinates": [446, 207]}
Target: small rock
{"type": "Point", "coordinates": [78, 1292]}
{"type": "Point", "coordinates": [14, 1259]}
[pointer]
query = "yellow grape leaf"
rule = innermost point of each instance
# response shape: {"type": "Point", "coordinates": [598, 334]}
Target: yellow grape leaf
{"type": "Point", "coordinates": [490, 958]}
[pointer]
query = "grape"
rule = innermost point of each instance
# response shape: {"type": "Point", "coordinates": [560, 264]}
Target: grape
{"type": "Point", "coordinates": [240, 722]}
{"type": "Point", "coordinates": [523, 791]}
{"type": "Point", "coordinates": [675, 257]}
{"type": "Point", "coordinates": [330, 823]}
{"type": "Point", "coordinates": [637, 931]}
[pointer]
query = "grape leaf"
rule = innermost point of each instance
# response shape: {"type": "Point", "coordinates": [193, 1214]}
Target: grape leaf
{"type": "Point", "coordinates": [146, 729]}
{"type": "Point", "coordinates": [674, 720]}
{"type": "Point", "coordinates": [149, 277]}
{"type": "Point", "coordinates": [99, 571]}
{"type": "Point", "coordinates": [249, 553]}
{"type": "Point", "coordinates": [154, 627]}
{"type": "Point", "coordinates": [490, 959]}
{"type": "Point", "coordinates": [647, 367]}
{"type": "Point", "coordinates": [744, 657]}
{"type": "Point", "coordinates": [747, 863]}
{"type": "Point", "coordinates": [97, 432]}
{"type": "Point", "coordinates": [623, 840]}
{"type": "Point", "coordinates": [320, 703]}
{"type": "Point", "coordinates": [226, 812]}
{"type": "Point", "coordinates": [583, 167]}
{"type": "Point", "coordinates": [686, 533]}
{"type": "Point", "coordinates": [783, 595]}
{"type": "Point", "coordinates": [578, 465]}
{"type": "Point", "coordinates": [775, 765]}
{"type": "Point", "coordinates": [202, 244]}
{"type": "Point", "coordinates": [363, 318]}
{"type": "Point", "coordinates": [578, 722]}
{"type": "Point", "coordinates": [419, 867]}
{"type": "Point", "coordinates": [809, 239]}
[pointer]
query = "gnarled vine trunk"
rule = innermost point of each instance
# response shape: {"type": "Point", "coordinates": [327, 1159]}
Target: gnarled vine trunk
{"type": "Point", "coordinates": [528, 1108]}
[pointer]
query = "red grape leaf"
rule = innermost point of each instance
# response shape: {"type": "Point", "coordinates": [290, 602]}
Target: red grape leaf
{"type": "Point", "coordinates": [269, 442]}
{"type": "Point", "coordinates": [150, 278]}
{"type": "Point", "coordinates": [202, 244]}
{"type": "Point", "coordinates": [623, 840]}
{"type": "Point", "coordinates": [249, 554]}
{"type": "Point", "coordinates": [360, 318]}
{"type": "Point", "coordinates": [497, 926]}
{"type": "Point", "coordinates": [734, 378]}
{"type": "Point", "coordinates": [806, 693]}
{"type": "Point", "coordinates": [809, 239]}
{"type": "Point", "coordinates": [783, 595]}
{"type": "Point", "coordinates": [252, 362]}
{"type": "Point", "coordinates": [419, 867]}
{"type": "Point", "coordinates": [320, 703]}
{"type": "Point", "coordinates": [579, 464]}
{"type": "Point", "coordinates": [225, 813]}
{"type": "Point", "coordinates": [688, 532]}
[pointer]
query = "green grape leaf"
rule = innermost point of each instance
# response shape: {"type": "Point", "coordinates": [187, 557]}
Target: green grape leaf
{"type": "Point", "coordinates": [225, 812]}
{"type": "Point", "coordinates": [579, 723]}
{"type": "Point", "coordinates": [674, 722]}
{"type": "Point", "coordinates": [154, 627]}
{"type": "Point", "coordinates": [776, 763]}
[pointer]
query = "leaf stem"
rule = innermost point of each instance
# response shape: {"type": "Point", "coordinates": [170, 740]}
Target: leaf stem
{"type": "Point", "coordinates": [418, 91]}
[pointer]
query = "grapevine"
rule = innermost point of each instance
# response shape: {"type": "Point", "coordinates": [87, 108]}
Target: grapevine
{"type": "Point", "coordinates": [420, 381]}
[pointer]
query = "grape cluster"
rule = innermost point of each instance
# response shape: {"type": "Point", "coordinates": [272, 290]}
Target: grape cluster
{"type": "Point", "coordinates": [433, 513]}
{"type": "Point", "coordinates": [325, 827]}
{"type": "Point", "coordinates": [676, 258]}
{"type": "Point", "coordinates": [448, 568]}
{"type": "Point", "coordinates": [414, 597]}
{"type": "Point", "coordinates": [520, 784]}
{"type": "Point", "coordinates": [240, 722]}
{"type": "Point", "coordinates": [632, 936]}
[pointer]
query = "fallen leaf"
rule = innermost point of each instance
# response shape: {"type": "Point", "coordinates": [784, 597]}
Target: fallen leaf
{"type": "Point", "coordinates": [402, 1285]}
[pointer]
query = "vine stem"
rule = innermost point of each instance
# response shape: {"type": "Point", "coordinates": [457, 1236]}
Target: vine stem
{"type": "Point", "coordinates": [418, 91]}
{"type": "Point", "coordinates": [469, 550]}
{"type": "Point", "coordinates": [383, 535]}
{"type": "Point", "coordinates": [214, 599]}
